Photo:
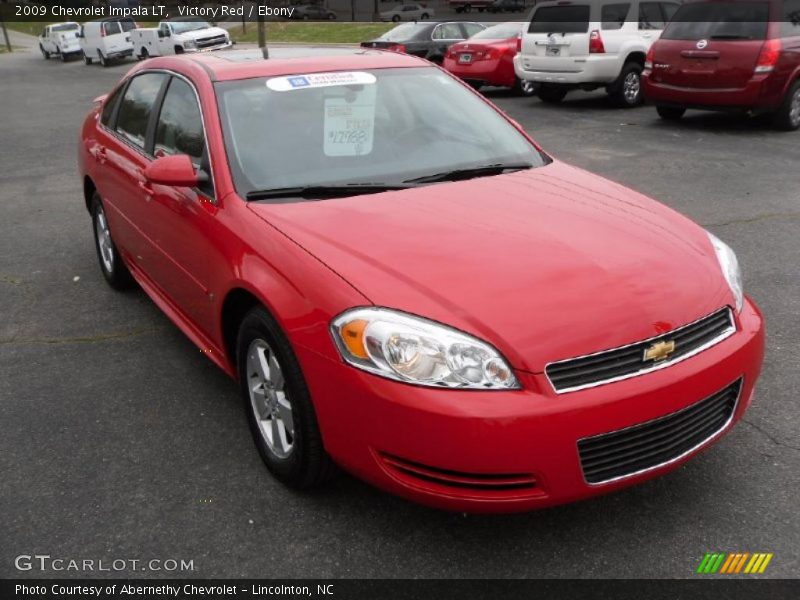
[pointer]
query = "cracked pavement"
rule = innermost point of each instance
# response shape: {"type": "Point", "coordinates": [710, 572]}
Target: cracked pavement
{"type": "Point", "coordinates": [118, 438]}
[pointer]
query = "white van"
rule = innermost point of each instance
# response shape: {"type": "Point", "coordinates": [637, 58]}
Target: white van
{"type": "Point", "coordinates": [107, 39]}
{"type": "Point", "coordinates": [589, 44]}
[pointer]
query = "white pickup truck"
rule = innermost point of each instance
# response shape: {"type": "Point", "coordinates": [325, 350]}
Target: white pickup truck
{"type": "Point", "coordinates": [177, 36]}
{"type": "Point", "coordinates": [60, 40]}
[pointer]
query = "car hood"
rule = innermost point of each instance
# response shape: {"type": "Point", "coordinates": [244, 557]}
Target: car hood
{"type": "Point", "coordinates": [203, 33]}
{"type": "Point", "coordinates": [545, 264]}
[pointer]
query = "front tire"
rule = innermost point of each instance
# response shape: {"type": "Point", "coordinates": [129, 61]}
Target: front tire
{"type": "Point", "coordinates": [626, 92]}
{"type": "Point", "coordinates": [788, 116]}
{"type": "Point", "coordinates": [111, 265]}
{"type": "Point", "coordinates": [45, 53]}
{"type": "Point", "coordinates": [552, 94]}
{"type": "Point", "coordinates": [87, 60]}
{"type": "Point", "coordinates": [103, 59]}
{"type": "Point", "coordinates": [279, 408]}
{"type": "Point", "coordinates": [670, 113]}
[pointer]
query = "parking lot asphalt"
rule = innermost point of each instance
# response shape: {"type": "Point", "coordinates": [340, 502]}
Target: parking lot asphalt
{"type": "Point", "coordinates": [118, 439]}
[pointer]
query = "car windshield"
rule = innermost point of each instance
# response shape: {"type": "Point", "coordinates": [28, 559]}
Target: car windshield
{"type": "Point", "coordinates": [402, 32]}
{"type": "Point", "coordinates": [65, 27]}
{"type": "Point", "coordinates": [368, 128]}
{"type": "Point", "coordinates": [184, 26]}
{"type": "Point", "coordinates": [499, 32]}
{"type": "Point", "coordinates": [719, 20]}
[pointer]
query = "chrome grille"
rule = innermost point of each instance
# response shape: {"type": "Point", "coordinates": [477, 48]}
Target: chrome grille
{"type": "Point", "coordinates": [639, 448]}
{"type": "Point", "coordinates": [629, 361]}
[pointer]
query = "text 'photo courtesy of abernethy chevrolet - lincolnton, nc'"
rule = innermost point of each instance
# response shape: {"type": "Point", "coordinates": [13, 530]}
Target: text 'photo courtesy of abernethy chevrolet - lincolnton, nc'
{"type": "Point", "coordinates": [423, 295]}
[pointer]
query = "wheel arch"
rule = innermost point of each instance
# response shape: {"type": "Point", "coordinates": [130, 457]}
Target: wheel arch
{"type": "Point", "coordinates": [237, 303]}
{"type": "Point", "coordinates": [637, 56]}
{"type": "Point", "coordinates": [89, 189]}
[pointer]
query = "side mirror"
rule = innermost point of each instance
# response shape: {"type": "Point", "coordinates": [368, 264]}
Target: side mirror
{"type": "Point", "coordinates": [176, 170]}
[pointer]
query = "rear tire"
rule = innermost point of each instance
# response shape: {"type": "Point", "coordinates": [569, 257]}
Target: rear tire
{"type": "Point", "coordinates": [670, 113]}
{"type": "Point", "coordinates": [111, 265]}
{"type": "Point", "coordinates": [552, 94]}
{"type": "Point", "coordinates": [788, 116]}
{"type": "Point", "coordinates": [396, 19]}
{"type": "Point", "coordinates": [524, 88]}
{"type": "Point", "coordinates": [626, 91]}
{"type": "Point", "coordinates": [279, 408]}
{"type": "Point", "coordinates": [144, 54]}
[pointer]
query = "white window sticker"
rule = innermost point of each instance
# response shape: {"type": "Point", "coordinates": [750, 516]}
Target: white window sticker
{"type": "Point", "coordinates": [350, 123]}
{"type": "Point", "coordinates": [318, 80]}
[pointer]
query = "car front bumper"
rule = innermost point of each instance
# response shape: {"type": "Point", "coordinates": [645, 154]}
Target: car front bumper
{"type": "Point", "coordinates": [441, 447]}
{"type": "Point", "coordinates": [224, 46]}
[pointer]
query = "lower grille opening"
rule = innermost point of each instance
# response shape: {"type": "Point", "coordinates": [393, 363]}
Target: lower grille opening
{"type": "Point", "coordinates": [646, 446]}
{"type": "Point", "coordinates": [460, 483]}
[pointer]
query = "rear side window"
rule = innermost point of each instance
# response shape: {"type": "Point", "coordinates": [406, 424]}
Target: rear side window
{"type": "Point", "coordinates": [136, 106]}
{"type": "Point", "coordinates": [447, 31]}
{"type": "Point", "coordinates": [719, 21]}
{"type": "Point", "coordinates": [560, 19]}
{"type": "Point", "coordinates": [650, 16]}
{"type": "Point", "coordinates": [472, 28]}
{"type": "Point", "coordinates": [790, 21]}
{"type": "Point", "coordinates": [613, 16]}
{"type": "Point", "coordinates": [109, 106]}
{"type": "Point", "coordinates": [127, 24]}
{"type": "Point", "coordinates": [180, 124]}
{"type": "Point", "coordinates": [111, 27]}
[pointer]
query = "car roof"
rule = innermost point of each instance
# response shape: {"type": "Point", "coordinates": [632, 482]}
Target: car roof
{"type": "Point", "coordinates": [229, 65]}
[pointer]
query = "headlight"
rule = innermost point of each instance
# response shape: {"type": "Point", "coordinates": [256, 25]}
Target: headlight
{"type": "Point", "coordinates": [412, 349]}
{"type": "Point", "coordinates": [189, 44]}
{"type": "Point", "coordinates": [730, 268]}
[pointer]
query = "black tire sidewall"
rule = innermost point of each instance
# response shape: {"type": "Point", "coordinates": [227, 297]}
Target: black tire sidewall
{"type": "Point", "coordinates": [119, 278]}
{"type": "Point", "coordinates": [618, 92]}
{"type": "Point", "coordinates": [782, 117]}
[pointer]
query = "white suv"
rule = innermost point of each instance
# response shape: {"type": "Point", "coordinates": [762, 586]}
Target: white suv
{"type": "Point", "coordinates": [590, 44]}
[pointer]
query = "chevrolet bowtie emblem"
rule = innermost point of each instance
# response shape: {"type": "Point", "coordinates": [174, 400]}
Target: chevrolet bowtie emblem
{"type": "Point", "coordinates": [659, 351]}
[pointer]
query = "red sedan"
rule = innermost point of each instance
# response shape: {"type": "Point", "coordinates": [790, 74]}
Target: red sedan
{"type": "Point", "coordinates": [419, 295]}
{"type": "Point", "coordinates": [487, 58]}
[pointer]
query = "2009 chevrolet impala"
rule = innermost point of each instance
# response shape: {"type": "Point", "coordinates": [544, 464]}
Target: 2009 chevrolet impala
{"type": "Point", "coordinates": [406, 285]}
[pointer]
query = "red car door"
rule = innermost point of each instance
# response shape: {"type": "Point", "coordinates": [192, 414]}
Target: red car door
{"type": "Point", "coordinates": [120, 153]}
{"type": "Point", "coordinates": [179, 220]}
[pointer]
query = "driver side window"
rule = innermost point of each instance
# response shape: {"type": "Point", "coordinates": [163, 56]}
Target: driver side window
{"type": "Point", "coordinates": [165, 29]}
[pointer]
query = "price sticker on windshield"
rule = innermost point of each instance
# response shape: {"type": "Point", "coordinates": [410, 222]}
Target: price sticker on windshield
{"type": "Point", "coordinates": [350, 123]}
{"type": "Point", "coordinates": [319, 80]}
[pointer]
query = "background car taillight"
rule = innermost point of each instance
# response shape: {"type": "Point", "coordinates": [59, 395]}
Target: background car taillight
{"type": "Point", "coordinates": [396, 48]}
{"type": "Point", "coordinates": [596, 45]}
{"type": "Point", "coordinates": [770, 52]}
{"type": "Point", "coordinates": [519, 43]}
{"type": "Point", "coordinates": [648, 62]}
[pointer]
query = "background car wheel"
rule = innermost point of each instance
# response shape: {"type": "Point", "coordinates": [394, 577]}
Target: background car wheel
{"type": "Point", "coordinates": [61, 55]}
{"type": "Point", "coordinates": [626, 92]}
{"type": "Point", "coordinates": [103, 59]}
{"type": "Point", "coordinates": [670, 113]}
{"type": "Point", "coordinates": [524, 88]}
{"type": "Point", "coordinates": [45, 53]}
{"type": "Point", "coordinates": [552, 94]}
{"type": "Point", "coordinates": [144, 54]}
{"type": "Point", "coordinates": [424, 16]}
{"type": "Point", "coordinates": [279, 408]}
{"type": "Point", "coordinates": [788, 116]}
{"type": "Point", "coordinates": [114, 270]}
{"type": "Point", "coordinates": [87, 60]}
{"type": "Point", "coordinates": [396, 18]}
{"type": "Point", "coordinates": [331, 17]}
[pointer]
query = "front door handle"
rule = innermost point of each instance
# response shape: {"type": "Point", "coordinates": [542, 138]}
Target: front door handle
{"type": "Point", "coordinates": [100, 154]}
{"type": "Point", "coordinates": [145, 187]}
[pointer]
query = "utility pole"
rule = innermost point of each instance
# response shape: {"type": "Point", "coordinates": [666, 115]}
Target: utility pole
{"type": "Point", "coordinates": [262, 36]}
{"type": "Point", "coordinates": [5, 35]}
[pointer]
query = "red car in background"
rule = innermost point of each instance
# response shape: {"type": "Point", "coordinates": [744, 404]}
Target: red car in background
{"type": "Point", "coordinates": [733, 54]}
{"type": "Point", "coordinates": [487, 58]}
{"type": "Point", "coordinates": [418, 294]}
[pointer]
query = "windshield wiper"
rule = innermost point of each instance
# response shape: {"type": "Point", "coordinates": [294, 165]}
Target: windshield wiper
{"type": "Point", "coordinates": [461, 174]}
{"type": "Point", "coordinates": [314, 192]}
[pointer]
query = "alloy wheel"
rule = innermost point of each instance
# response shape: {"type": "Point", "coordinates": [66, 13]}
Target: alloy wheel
{"type": "Point", "coordinates": [269, 401]}
{"type": "Point", "coordinates": [631, 88]}
{"type": "Point", "coordinates": [794, 110]}
{"type": "Point", "coordinates": [104, 244]}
